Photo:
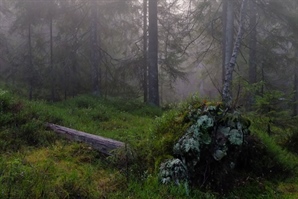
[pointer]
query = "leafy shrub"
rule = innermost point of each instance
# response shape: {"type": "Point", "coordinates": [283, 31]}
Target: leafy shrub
{"type": "Point", "coordinates": [292, 143]}
{"type": "Point", "coordinates": [214, 137]}
{"type": "Point", "coordinates": [174, 170]}
{"type": "Point", "coordinates": [84, 102]}
{"type": "Point", "coordinates": [217, 151]}
{"type": "Point", "coordinates": [167, 130]}
{"type": "Point", "coordinates": [136, 107]}
{"type": "Point", "coordinates": [5, 101]}
{"type": "Point", "coordinates": [20, 125]}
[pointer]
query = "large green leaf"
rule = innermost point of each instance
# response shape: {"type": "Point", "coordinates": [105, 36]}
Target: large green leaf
{"type": "Point", "coordinates": [173, 170]}
{"type": "Point", "coordinates": [205, 122]}
{"type": "Point", "coordinates": [236, 137]}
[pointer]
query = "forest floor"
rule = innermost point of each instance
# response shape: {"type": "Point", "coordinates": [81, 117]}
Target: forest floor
{"type": "Point", "coordinates": [36, 163]}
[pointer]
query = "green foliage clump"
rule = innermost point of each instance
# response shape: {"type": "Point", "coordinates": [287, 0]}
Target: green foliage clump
{"type": "Point", "coordinates": [217, 151]}
{"type": "Point", "coordinates": [57, 172]}
{"type": "Point", "coordinates": [270, 101]}
{"type": "Point", "coordinates": [166, 131]}
{"type": "Point", "coordinates": [173, 171]}
{"type": "Point", "coordinates": [150, 188]}
{"type": "Point", "coordinates": [20, 125]}
{"type": "Point", "coordinates": [214, 136]}
{"type": "Point", "coordinates": [292, 143]}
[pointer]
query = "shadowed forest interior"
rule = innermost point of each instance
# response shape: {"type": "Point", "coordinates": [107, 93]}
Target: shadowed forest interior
{"type": "Point", "coordinates": [198, 96]}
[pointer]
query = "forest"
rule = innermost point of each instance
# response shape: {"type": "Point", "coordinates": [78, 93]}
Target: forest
{"type": "Point", "coordinates": [148, 99]}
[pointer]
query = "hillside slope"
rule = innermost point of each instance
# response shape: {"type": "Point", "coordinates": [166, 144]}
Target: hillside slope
{"type": "Point", "coordinates": [36, 163]}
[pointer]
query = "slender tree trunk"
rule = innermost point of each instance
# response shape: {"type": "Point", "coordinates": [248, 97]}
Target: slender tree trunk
{"type": "Point", "coordinates": [72, 86]}
{"type": "Point", "coordinates": [228, 34]}
{"type": "Point", "coordinates": [227, 91]}
{"type": "Point", "coordinates": [51, 61]}
{"type": "Point", "coordinates": [94, 49]}
{"type": "Point", "coordinates": [224, 28]}
{"type": "Point", "coordinates": [153, 97]}
{"type": "Point", "coordinates": [295, 111]}
{"type": "Point", "coordinates": [65, 81]}
{"type": "Point", "coordinates": [262, 77]}
{"type": "Point", "coordinates": [30, 64]}
{"type": "Point", "coordinates": [252, 47]}
{"type": "Point", "coordinates": [145, 69]}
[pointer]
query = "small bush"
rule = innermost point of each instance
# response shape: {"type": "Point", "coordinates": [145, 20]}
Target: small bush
{"type": "Point", "coordinates": [216, 149]}
{"type": "Point", "coordinates": [292, 143]}
{"type": "Point", "coordinates": [20, 125]}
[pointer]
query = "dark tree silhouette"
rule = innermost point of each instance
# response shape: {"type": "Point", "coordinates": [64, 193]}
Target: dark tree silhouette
{"type": "Point", "coordinates": [153, 97]}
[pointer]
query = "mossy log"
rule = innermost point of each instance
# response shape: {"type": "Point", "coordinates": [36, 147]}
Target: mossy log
{"type": "Point", "coordinates": [102, 144]}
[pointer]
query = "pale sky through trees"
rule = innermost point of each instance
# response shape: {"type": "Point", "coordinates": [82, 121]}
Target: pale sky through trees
{"type": "Point", "coordinates": [189, 33]}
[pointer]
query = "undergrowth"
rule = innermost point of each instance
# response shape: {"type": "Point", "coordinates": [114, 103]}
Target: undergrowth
{"type": "Point", "coordinates": [264, 162]}
{"type": "Point", "coordinates": [35, 163]}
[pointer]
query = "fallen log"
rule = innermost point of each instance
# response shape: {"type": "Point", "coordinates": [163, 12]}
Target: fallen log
{"type": "Point", "coordinates": [102, 144]}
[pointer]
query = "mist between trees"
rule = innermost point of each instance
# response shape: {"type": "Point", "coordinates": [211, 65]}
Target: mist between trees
{"type": "Point", "coordinates": [158, 51]}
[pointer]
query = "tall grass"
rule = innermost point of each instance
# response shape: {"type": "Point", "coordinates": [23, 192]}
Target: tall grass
{"type": "Point", "coordinates": [35, 163]}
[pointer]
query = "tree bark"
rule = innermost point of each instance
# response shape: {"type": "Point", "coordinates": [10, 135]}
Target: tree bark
{"type": "Point", "coordinates": [102, 144]}
{"type": "Point", "coordinates": [153, 97]}
{"type": "Point", "coordinates": [94, 49]}
{"type": "Point", "coordinates": [51, 60]}
{"type": "Point", "coordinates": [228, 34]}
{"type": "Point", "coordinates": [295, 45]}
{"type": "Point", "coordinates": [295, 111]}
{"type": "Point", "coordinates": [252, 48]}
{"type": "Point", "coordinates": [145, 45]}
{"type": "Point", "coordinates": [30, 64]}
{"type": "Point", "coordinates": [227, 91]}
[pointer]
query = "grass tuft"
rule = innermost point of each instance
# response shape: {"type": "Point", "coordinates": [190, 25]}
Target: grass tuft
{"type": "Point", "coordinates": [35, 163]}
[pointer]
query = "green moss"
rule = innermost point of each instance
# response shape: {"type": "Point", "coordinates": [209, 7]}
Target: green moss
{"type": "Point", "coordinates": [35, 163]}
{"type": "Point", "coordinates": [43, 173]}
{"type": "Point", "coordinates": [167, 130]}
{"type": "Point", "coordinates": [150, 188]}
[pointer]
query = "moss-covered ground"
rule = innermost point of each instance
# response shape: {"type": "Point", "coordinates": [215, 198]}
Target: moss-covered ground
{"type": "Point", "coordinates": [36, 163]}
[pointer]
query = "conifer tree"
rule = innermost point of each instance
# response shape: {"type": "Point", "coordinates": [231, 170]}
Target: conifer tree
{"type": "Point", "coordinates": [153, 97]}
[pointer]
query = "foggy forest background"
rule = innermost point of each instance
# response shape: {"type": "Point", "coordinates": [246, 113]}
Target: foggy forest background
{"type": "Point", "coordinates": [57, 49]}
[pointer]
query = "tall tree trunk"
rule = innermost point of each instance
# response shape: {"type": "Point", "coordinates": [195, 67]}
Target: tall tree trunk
{"type": "Point", "coordinates": [94, 49]}
{"type": "Point", "coordinates": [227, 91]}
{"type": "Point", "coordinates": [228, 34]}
{"type": "Point", "coordinates": [252, 48]}
{"type": "Point", "coordinates": [153, 97]}
{"type": "Point", "coordinates": [295, 45]}
{"type": "Point", "coordinates": [145, 68]}
{"type": "Point", "coordinates": [262, 77]}
{"type": "Point", "coordinates": [224, 28]}
{"type": "Point", "coordinates": [30, 63]}
{"type": "Point", "coordinates": [295, 111]}
{"type": "Point", "coordinates": [51, 61]}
